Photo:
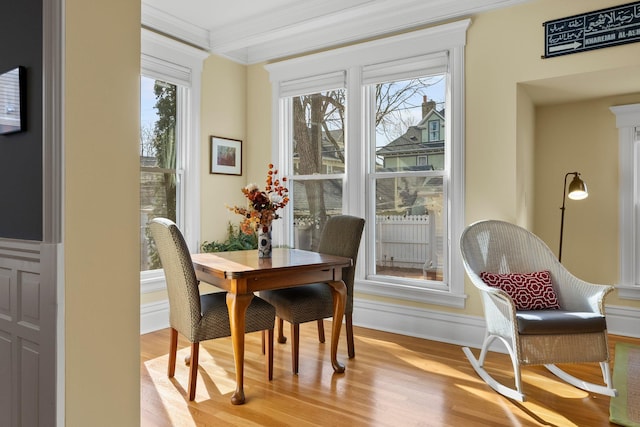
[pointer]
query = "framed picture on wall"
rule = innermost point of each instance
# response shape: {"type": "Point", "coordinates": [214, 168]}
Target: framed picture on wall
{"type": "Point", "coordinates": [12, 100]}
{"type": "Point", "coordinates": [226, 156]}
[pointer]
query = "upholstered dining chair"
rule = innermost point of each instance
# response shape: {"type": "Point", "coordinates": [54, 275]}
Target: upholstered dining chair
{"type": "Point", "coordinates": [340, 236]}
{"type": "Point", "coordinates": [200, 317]}
{"type": "Point", "coordinates": [541, 312]}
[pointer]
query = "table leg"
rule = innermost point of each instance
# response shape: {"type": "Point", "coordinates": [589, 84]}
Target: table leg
{"type": "Point", "coordinates": [237, 306]}
{"type": "Point", "coordinates": [339, 293]}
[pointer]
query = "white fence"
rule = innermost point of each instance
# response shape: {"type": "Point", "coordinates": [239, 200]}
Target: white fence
{"type": "Point", "coordinates": [405, 241]}
{"type": "Point", "coordinates": [401, 241]}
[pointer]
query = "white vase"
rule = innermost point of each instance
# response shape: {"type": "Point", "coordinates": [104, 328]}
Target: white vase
{"type": "Point", "coordinates": [264, 241]}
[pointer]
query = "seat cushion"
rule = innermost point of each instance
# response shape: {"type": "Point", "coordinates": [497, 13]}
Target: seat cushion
{"type": "Point", "coordinates": [529, 291]}
{"type": "Point", "coordinates": [301, 304]}
{"type": "Point", "coordinates": [214, 322]}
{"type": "Point", "coordinates": [554, 322]}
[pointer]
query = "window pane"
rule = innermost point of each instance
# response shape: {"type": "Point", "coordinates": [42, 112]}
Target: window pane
{"type": "Point", "coordinates": [409, 227]}
{"type": "Point", "coordinates": [314, 201]}
{"type": "Point", "coordinates": [157, 199]}
{"type": "Point", "coordinates": [158, 148]}
{"type": "Point", "coordinates": [318, 133]}
{"type": "Point", "coordinates": [410, 124]}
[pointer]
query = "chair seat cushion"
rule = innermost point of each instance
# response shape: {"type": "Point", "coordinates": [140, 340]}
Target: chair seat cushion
{"type": "Point", "coordinates": [529, 291]}
{"type": "Point", "coordinates": [553, 322]}
{"type": "Point", "coordinates": [214, 322]}
{"type": "Point", "coordinates": [301, 304]}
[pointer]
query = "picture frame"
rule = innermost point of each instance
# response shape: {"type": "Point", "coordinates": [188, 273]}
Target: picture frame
{"type": "Point", "coordinates": [225, 156]}
{"type": "Point", "coordinates": [12, 100]}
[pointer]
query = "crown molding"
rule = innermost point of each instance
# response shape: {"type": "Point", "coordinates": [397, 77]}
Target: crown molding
{"type": "Point", "coordinates": [162, 22]}
{"type": "Point", "coordinates": [313, 26]}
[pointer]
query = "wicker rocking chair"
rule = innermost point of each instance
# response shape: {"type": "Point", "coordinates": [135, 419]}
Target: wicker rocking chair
{"type": "Point", "coordinates": [575, 332]}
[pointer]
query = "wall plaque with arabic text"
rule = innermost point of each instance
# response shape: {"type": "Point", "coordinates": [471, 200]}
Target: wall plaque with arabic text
{"type": "Point", "coordinates": [594, 30]}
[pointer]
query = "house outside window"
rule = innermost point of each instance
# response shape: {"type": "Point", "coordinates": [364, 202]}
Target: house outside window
{"type": "Point", "coordinates": [408, 190]}
{"type": "Point", "coordinates": [365, 111]}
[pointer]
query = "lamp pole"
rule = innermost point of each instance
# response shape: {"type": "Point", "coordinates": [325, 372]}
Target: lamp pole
{"type": "Point", "coordinates": [577, 191]}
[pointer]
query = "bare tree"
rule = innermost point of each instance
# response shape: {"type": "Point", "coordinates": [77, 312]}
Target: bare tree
{"type": "Point", "coordinates": [319, 117]}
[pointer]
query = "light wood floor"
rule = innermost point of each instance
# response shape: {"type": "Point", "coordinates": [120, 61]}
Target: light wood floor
{"type": "Point", "coordinates": [394, 380]}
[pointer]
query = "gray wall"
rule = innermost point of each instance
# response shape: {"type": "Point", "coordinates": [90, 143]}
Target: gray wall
{"type": "Point", "coordinates": [21, 153]}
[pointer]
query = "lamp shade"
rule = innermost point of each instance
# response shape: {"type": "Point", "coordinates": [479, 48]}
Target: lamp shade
{"type": "Point", "coordinates": [577, 189]}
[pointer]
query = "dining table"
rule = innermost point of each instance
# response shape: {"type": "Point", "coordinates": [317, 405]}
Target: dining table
{"type": "Point", "coordinates": [241, 273]}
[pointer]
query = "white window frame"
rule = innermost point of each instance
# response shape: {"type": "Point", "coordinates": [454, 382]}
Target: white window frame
{"type": "Point", "coordinates": [166, 59]}
{"type": "Point", "coordinates": [628, 124]}
{"type": "Point", "coordinates": [406, 48]}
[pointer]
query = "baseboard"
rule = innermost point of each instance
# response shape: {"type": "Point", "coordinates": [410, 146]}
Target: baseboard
{"type": "Point", "coordinates": [623, 320]}
{"type": "Point", "coordinates": [452, 328]}
{"type": "Point", "coordinates": [154, 316]}
{"type": "Point", "coordinates": [433, 325]}
{"type": "Point", "coordinates": [461, 329]}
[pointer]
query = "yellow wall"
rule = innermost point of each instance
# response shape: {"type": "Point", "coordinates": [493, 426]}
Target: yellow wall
{"type": "Point", "coordinates": [524, 151]}
{"type": "Point", "coordinates": [259, 124]}
{"type": "Point", "coordinates": [101, 205]}
{"type": "Point", "coordinates": [231, 93]}
{"type": "Point", "coordinates": [581, 136]}
{"type": "Point", "coordinates": [223, 113]}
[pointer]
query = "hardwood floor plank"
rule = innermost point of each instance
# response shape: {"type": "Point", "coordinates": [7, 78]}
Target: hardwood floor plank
{"type": "Point", "coordinates": [393, 380]}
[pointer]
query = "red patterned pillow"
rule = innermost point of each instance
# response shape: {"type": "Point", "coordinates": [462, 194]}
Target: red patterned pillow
{"type": "Point", "coordinates": [529, 291]}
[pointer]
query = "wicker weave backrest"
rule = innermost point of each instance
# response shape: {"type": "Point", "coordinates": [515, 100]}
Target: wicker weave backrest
{"type": "Point", "coordinates": [341, 236]}
{"type": "Point", "coordinates": [182, 285]}
{"type": "Point", "coordinates": [502, 247]}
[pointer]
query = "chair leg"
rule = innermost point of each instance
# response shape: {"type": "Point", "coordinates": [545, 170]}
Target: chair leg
{"type": "Point", "coordinates": [295, 347]}
{"type": "Point", "coordinates": [269, 352]}
{"type": "Point", "coordinates": [349, 330]}
{"type": "Point", "coordinates": [478, 366]}
{"type": "Point", "coordinates": [173, 348]}
{"type": "Point", "coordinates": [281, 338]}
{"type": "Point", "coordinates": [320, 330]}
{"type": "Point", "coordinates": [193, 370]}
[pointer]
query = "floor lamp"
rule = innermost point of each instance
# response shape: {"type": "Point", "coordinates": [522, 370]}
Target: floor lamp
{"type": "Point", "coordinates": [577, 191]}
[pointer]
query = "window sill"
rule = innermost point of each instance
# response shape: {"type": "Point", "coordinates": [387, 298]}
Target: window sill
{"type": "Point", "coordinates": [152, 281]}
{"type": "Point", "coordinates": [411, 293]}
{"type": "Point", "coordinates": [628, 292]}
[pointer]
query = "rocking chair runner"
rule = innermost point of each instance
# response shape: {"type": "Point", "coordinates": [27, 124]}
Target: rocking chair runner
{"type": "Point", "coordinates": [575, 333]}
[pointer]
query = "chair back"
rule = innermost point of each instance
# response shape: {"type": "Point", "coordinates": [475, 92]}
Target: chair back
{"type": "Point", "coordinates": [341, 236]}
{"type": "Point", "coordinates": [182, 285]}
{"type": "Point", "coordinates": [501, 247]}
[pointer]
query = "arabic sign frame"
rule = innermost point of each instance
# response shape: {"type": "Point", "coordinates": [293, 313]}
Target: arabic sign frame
{"type": "Point", "coordinates": [602, 28]}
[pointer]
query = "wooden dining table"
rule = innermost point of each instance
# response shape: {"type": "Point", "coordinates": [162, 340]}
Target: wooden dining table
{"type": "Point", "coordinates": [241, 273]}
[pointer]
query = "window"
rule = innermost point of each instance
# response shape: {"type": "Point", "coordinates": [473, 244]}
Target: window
{"type": "Point", "coordinates": [169, 136]}
{"type": "Point", "coordinates": [409, 196]}
{"type": "Point", "coordinates": [434, 130]}
{"type": "Point", "coordinates": [628, 123]}
{"type": "Point", "coordinates": [161, 166]}
{"type": "Point", "coordinates": [375, 130]}
{"type": "Point", "coordinates": [317, 153]}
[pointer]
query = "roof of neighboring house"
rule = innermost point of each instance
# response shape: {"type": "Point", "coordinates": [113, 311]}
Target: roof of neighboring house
{"type": "Point", "coordinates": [411, 141]}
